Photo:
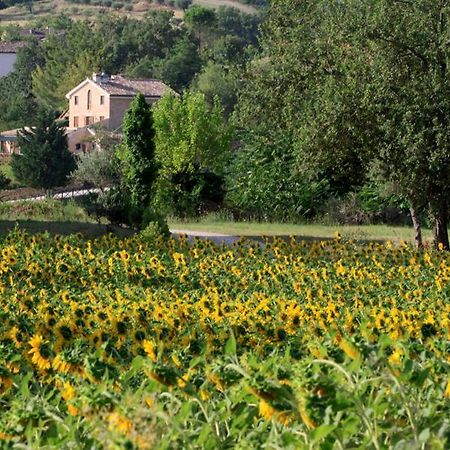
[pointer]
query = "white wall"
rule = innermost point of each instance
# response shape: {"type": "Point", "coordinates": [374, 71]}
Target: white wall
{"type": "Point", "coordinates": [7, 61]}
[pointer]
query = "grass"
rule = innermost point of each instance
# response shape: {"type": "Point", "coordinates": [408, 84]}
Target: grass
{"type": "Point", "coordinates": [44, 9]}
{"type": "Point", "coordinates": [68, 217]}
{"type": "Point", "coordinates": [6, 169]}
{"type": "Point", "coordinates": [86, 230]}
{"type": "Point", "coordinates": [20, 13]}
{"type": "Point", "coordinates": [360, 232]}
{"type": "Point", "coordinates": [44, 211]}
{"type": "Point", "coordinates": [217, 3]}
{"type": "Point", "coordinates": [54, 217]}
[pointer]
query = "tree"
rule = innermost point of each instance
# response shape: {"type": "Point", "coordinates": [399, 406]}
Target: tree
{"type": "Point", "coordinates": [100, 168]}
{"type": "Point", "coordinates": [183, 4]}
{"type": "Point", "coordinates": [180, 65]}
{"type": "Point", "coordinates": [217, 81]}
{"type": "Point", "coordinates": [138, 151]}
{"type": "Point", "coordinates": [18, 106]}
{"type": "Point", "coordinates": [192, 145]}
{"type": "Point", "coordinates": [201, 21]}
{"type": "Point", "coordinates": [45, 161]}
{"type": "Point", "coordinates": [359, 87]}
{"type": "Point", "coordinates": [190, 134]}
{"type": "Point", "coordinates": [411, 87]}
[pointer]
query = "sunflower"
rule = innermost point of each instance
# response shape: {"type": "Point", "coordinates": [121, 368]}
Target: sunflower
{"type": "Point", "coordinates": [40, 352]}
{"type": "Point", "coordinates": [60, 365]}
{"type": "Point", "coordinates": [15, 336]}
{"type": "Point", "coordinates": [120, 423]}
{"type": "Point", "coordinates": [150, 349]}
{"type": "Point", "coordinates": [268, 412]}
{"type": "Point", "coordinates": [447, 390]}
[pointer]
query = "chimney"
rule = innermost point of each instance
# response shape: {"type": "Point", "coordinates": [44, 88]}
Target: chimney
{"type": "Point", "coordinates": [100, 77]}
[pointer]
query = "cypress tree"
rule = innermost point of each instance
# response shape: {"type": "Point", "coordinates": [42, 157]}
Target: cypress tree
{"type": "Point", "coordinates": [139, 151]}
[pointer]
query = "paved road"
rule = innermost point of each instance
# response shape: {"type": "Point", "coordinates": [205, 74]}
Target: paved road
{"type": "Point", "coordinates": [217, 238]}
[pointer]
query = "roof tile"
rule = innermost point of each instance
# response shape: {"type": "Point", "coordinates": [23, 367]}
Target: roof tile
{"type": "Point", "coordinates": [117, 85]}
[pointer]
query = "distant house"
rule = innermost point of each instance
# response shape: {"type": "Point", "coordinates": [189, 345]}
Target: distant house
{"type": "Point", "coordinates": [8, 142]}
{"type": "Point", "coordinates": [97, 102]}
{"type": "Point", "coordinates": [8, 56]}
{"type": "Point", "coordinates": [101, 101]}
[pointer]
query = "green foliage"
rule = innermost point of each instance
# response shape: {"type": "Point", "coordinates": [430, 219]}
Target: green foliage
{"type": "Point", "coordinates": [100, 168]}
{"type": "Point", "coordinates": [4, 181]}
{"type": "Point", "coordinates": [198, 17]}
{"type": "Point", "coordinates": [190, 134]}
{"type": "Point", "coordinates": [183, 4]}
{"type": "Point", "coordinates": [18, 107]}
{"type": "Point", "coordinates": [192, 146]}
{"type": "Point", "coordinates": [137, 153]}
{"type": "Point", "coordinates": [262, 182]}
{"type": "Point", "coordinates": [178, 68]}
{"type": "Point", "coordinates": [189, 194]}
{"type": "Point", "coordinates": [153, 226]}
{"type": "Point", "coordinates": [354, 86]}
{"type": "Point", "coordinates": [48, 210]}
{"type": "Point", "coordinates": [45, 161]}
{"type": "Point", "coordinates": [215, 81]}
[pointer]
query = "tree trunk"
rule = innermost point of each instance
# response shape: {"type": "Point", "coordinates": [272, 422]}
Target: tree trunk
{"type": "Point", "coordinates": [441, 227]}
{"type": "Point", "coordinates": [417, 228]}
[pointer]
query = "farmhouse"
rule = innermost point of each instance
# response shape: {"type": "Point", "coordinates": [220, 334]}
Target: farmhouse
{"type": "Point", "coordinates": [101, 102]}
{"type": "Point", "coordinates": [8, 56]}
{"type": "Point", "coordinates": [8, 144]}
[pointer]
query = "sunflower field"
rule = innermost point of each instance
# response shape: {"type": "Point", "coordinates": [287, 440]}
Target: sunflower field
{"type": "Point", "coordinates": [153, 344]}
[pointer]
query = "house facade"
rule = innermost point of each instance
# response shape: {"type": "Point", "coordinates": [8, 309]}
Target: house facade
{"type": "Point", "coordinates": [8, 143]}
{"type": "Point", "coordinates": [97, 103]}
{"type": "Point", "coordinates": [101, 102]}
{"type": "Point", "coordinates": [8, 56]}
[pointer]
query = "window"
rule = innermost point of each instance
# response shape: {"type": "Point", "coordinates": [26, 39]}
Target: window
{"type": "Point", "coordinates": [89, 99]}
{"type": "Point", "coordinates": [77, 146]}
{"type": "Point", "coordinates": [102, 99]}
{"type": "Point", "coordinates": [101, 118]}
{"type": "Point", "coordinates": [75, 100]}
{"type": "Point", "coordinates": [88, 120]}
{"type": "Point", "coordinates": [75, 122]}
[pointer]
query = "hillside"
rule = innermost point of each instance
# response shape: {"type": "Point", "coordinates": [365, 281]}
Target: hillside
{"type": "Point", "coordinates": [22, 13]}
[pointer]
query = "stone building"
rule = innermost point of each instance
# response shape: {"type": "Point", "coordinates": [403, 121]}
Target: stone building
{"type": "Point", "coordinates": [101, 102]}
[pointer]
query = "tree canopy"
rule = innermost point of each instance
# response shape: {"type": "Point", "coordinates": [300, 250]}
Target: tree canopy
{"type": "Point", "coordinates": [45, 161]}
{"type": "Point", "coordinates": [138, 151]}
{"type": "Point", "coordinates": [360, 88]}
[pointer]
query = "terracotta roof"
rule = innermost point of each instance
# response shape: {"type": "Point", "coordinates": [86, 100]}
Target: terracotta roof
{"type": "Point", "coordinates": [10, 47]}
{"type": "Point", "coordinates": [124, 87]}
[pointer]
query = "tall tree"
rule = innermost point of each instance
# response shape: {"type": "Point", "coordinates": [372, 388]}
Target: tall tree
{"type": "Point", "coordinates": [192, 144]}
{"type": "Point", "coordinates": [358, 84]}
{"type": "Point", "coordinates": [190, 134]}
{"type": "Point", "coordinates": [18, 106]}
{"type": "Point", "coordinates": [45, 161]}
{"type": "Point", "coordinates": [411, 93]}
{"type": "Point", "coordinates": [138, 151]}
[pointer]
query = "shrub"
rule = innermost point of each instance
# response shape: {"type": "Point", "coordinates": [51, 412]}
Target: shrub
{"type": "Point", "coordinates": [263, 183]}
{"type": "Point", "coordinates": [153, 226]}
{"type": "Point", "coordinates": [189, 194]}
{"type": "Point", "coordinates": [4, 181]}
